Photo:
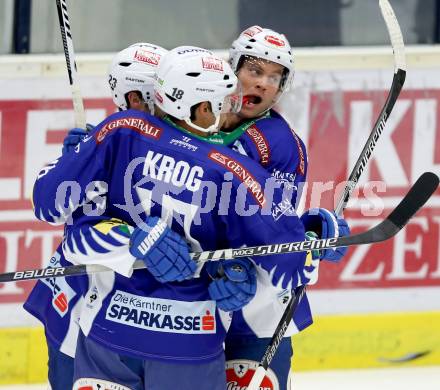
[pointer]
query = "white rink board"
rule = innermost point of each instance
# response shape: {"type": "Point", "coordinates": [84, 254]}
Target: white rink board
{"type": "Point", "coordinates": [426, 378]}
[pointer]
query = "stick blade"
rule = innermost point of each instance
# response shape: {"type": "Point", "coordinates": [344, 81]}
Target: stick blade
{"type": "Point", "coordinates": [417, 196]}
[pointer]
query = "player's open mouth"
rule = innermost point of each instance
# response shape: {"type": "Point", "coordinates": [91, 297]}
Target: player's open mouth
{"type": "Point", "coordinates": [251, 100]}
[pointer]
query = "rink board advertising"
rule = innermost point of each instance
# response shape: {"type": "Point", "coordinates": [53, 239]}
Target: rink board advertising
{"type": "Point", "coordinates": [334, 113]}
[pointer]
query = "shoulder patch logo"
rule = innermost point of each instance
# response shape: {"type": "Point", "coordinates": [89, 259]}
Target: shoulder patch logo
{"type": "Point", "coordinates": [137, 124]}
{"type": "Point", "coordinates": [261, 143]}
{"type": "Point", "coordinates": [242, 173]}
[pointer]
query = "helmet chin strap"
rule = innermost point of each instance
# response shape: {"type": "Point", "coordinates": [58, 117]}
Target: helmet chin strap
{"type": "Point", "coordinates": [150, 105]}
{"type": "Point", "coordinates": [209, 130]}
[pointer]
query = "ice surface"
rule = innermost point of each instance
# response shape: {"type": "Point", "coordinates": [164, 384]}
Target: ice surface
{"type": "Point", "coordinates": [402, 378]}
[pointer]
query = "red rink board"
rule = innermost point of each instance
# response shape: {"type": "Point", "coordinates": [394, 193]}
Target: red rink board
{"type": "Point", "coordinates": [26, 243]}
{"type": "Point", "coordinates": [412, 258]}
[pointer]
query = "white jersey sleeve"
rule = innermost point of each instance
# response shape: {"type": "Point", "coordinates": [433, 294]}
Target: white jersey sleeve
{"type": "Point", "coordinates": [100, 241]}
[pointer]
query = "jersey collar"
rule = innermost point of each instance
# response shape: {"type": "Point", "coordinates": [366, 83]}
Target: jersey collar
{"type": "Point", "coordinates": [222, 137]}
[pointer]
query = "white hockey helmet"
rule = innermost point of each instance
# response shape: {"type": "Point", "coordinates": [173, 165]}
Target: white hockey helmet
{"type": "Point", "coordinates": [265, 44]}
{"type": "Point", "coordinates": [134, 69]}
{"type": "Point", "coordinates": [189, 75]}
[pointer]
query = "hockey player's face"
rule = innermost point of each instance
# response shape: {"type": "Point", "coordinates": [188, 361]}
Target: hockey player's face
{"type": "Point", "coordinates": [260, 80]}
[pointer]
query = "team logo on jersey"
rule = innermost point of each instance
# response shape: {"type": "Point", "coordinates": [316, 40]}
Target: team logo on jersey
{"type": "Point", "coordinates": [261, 143]}
{"type": "Point", "coordinates": [148, 57]}
{"type": "Point", "coordinates": [184, 143]}
{"type": "Point", "coordinates": [112, 224]}
{"type": "Point", "coordinates": [240, 369]}
{"type": "Point", "coordinates": [162, 315]}
{"type": "Point", "coordinates": [62, 293]}
{"type": "Point", "coordinates": [284, 296]}
{"type": "Point", "coordinates": [91, 297]}
{"type": "Point", "coordinates": [283, 177]}
{"type": "Point", "coordinates": [284, 207]}
{"type": "Point", "coordinates": [238, 170]}
{"type": "Point", "coordinates": [208, 321]}
{"type": "Point", "coordinates": [239, 374]}
{"type": "Point", "coordinates": [273, 40]}
{"type": "Point", "coordinates": [251, 31]}
{"type": "Point", "coordinates": [137, 124]}
{"type": "Point", "coordinates": [212, 63]}
{"type": "Point", "coordinates": [87, 138]}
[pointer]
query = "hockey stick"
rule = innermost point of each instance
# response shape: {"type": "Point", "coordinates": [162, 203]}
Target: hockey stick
{"type": "Point", "coordinates": [397, 44]}
{"type": "Point", "coordinates": [417, 196]}
{"type": "Point", "coordinates": [66, 36]}
{"type": "Point", "coordinates": [396, 86]}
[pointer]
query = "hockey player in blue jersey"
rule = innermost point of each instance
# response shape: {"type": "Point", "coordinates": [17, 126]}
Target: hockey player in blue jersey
{"type": "Point", "coordinates": [109, 148]}
{"type": "Point", "coordinates": [56, 302]}
{"type": "Point", "coordinates": [262, 139]}
{"type": "Point", "coordinates": [263, 62]}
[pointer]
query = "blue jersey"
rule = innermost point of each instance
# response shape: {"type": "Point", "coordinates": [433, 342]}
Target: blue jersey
{"type": "Point", "coordinates": [57, 303]}
{"type": "Point", "coordinates": [134, 165]}
{"type": "Point", "coordinates": [271, 142]}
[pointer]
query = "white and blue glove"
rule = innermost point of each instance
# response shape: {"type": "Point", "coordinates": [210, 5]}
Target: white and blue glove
{"type": "Point", "coordinates": [234, 283]}
{"type": "Point", "coordinates": [74, 137]}
{"type": "Point", "coordinates": [163, 251]}
{"type": "Point", "coordinates": [326, 225]}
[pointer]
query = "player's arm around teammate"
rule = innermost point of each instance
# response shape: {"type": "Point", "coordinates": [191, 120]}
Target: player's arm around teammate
{"type": "Point", "coordinates": [101, 148]}
{"type": "Point", "coordinates": [57, 302]}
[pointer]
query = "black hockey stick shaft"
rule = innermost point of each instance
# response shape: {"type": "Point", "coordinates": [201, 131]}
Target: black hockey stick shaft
{"type": "Point", "coordinates": [417, 196]}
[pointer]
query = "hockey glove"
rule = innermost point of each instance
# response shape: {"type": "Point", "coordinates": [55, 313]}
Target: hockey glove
{"type": "Point", "coordinates": [234, 284]}
{"type": "Point", "coordinates": [326, 225]}
{"type": "Point", "coordinates": [74, 137]}
{"type": "Point", "coordinates": [163, 251]}
{"type": "Point", "coordinates": [309, 274]}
